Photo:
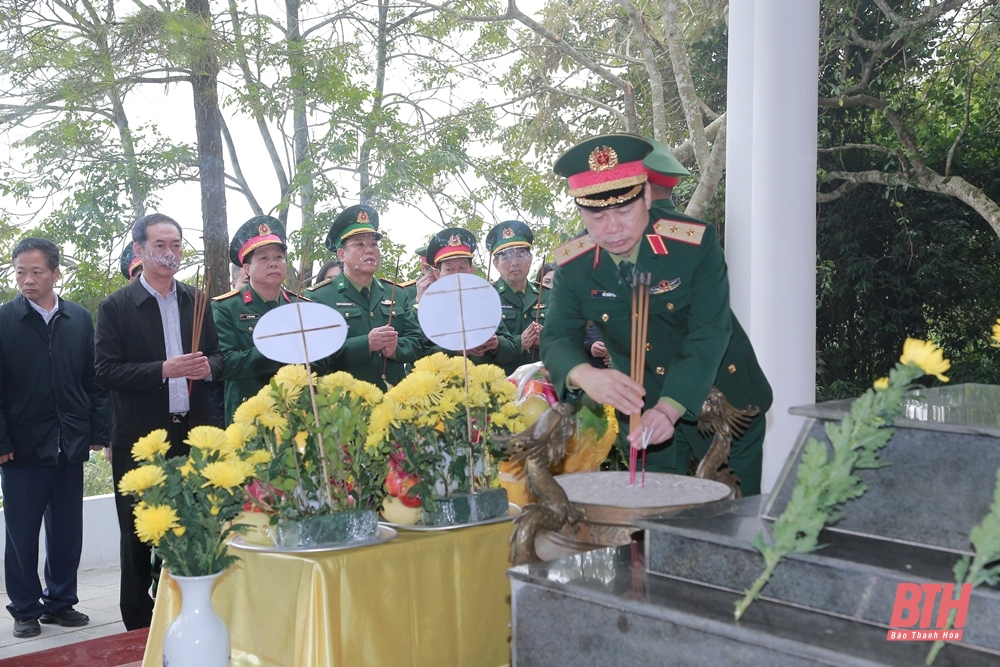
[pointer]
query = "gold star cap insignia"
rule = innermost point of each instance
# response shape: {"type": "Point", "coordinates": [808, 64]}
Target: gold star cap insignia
{"type": "Point", "coordinates": [362, 216]}
{"type": "Point", "coordinates": [508, 232]}
{"type": "Point", "coordinates": [264, 229]}
{"type": "Point", "coordinates": [454, 240]}
{"type": "Point", "coordinates": [602, 159]}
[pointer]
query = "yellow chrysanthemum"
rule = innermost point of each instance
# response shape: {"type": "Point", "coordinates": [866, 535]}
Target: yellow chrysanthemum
{"type": "Point", "coordinates": [927, 356]}
{"type": "Point", "coordinates": [486, 374]}
{"type": "Point", "coordinates": [434, 363]}
{"type": "Point", "coordinates": [272, 420]}
{"type": "Point", "coordinates": [153, 521]}
{"type": "Point", "coordinates": [996, 334]}
{"type": "Point", "coordinates": [187, 468]}
{"type": "Point", "coordinates": [250, 409]}
{"type": "Point", "coordinates": [258, 457]}
{"type": "Point", "coordinates": [140, 479]}
{"type": "Point", "coordinates": [334, 381]}
{"type": "Point", "coordinates": [291, 380]}
{"type": "Point", "coordinates": [369, 394]}
{"type": "Point", "coordinates": [237, 435]}
{"type": "Point", "coordinates": [301, 438]}
{"type": "Point", "coordinates": [179, 531]}
{"type": "Point", "coordinates": [420, 387]}
{"type": "Point", "coordinates": [882, 384]}
{"type": "Point", "coordinates": [226, 474]}
{"type": "Point", "coordinates": [207, 438]}
{"type": "Point", "coordinates": [147, 447]}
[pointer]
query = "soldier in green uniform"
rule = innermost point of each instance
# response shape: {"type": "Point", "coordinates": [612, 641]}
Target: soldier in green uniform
{"type": "Point", "coordinates": [375, 350]}
{"type": "Point", "coordinates": [522, 302]}
{"type": "Point", "coordinates": [258, 246]}
{"type": "Point", "coordinates": [693, 341]}
{"type": "Point", "coordinates": [129, 264]}
{"type": "Point", "coordinates": [451, 251]}
{"type": "Point", "coordinates": [415, 288]}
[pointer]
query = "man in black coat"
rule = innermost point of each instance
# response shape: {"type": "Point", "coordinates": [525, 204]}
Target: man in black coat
{"type": "Point", "coordinates": [143, 357]}
{"type": "Point", "coordinates": [52, 413]}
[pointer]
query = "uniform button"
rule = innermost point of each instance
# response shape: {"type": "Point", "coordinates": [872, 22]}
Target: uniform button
{"type": "Point", "coordinates": [660, 370]}
{"type": "Point", "coordinates": [371, 314]}
{"type": "Point", "coordinates": [732, 368]}
{"type": "Point", "coordinates": [526, 315]}
{"type": "Point", "coordinates": [604, 317]}
{"type": "Point", "coordinates": [649, 346]}
{"type": "Point", "coordinates": [503, 317]}
{"type": "Point", "coordinates": [670, 306]}
{"type": "Point", "coordinates": [250, 328]}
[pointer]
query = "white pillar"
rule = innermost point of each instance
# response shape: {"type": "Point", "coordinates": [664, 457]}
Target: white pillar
{"type": "Point", "coordinates": [771, 201]}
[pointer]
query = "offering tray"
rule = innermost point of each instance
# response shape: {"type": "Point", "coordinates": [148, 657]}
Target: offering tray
{"type": "Point", "coordinates": [384, 533]}
{"type": "Point", "coordinates": [512, 511]}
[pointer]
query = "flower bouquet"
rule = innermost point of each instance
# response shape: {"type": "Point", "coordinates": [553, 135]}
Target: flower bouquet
{"type": "Point", "coordinates": [439, 424]}
{"type": "Point", "coordinates": [323, 484]}
{"type": "Point", "coordinates": [186, 504]}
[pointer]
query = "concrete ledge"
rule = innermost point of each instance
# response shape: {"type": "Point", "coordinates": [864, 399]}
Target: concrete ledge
{"type": "Point", "coordinates": [100, 534]}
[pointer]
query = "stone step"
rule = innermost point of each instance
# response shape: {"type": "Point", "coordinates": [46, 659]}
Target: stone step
{"type": "Point", "coordinates": [941, 472]}
{"type": "Point", "coordinates": [852, 576]}
{"type": "Point", "coordinates": [603, 608]}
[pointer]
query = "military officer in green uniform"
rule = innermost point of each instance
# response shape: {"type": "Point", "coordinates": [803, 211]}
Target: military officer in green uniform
{"type": "Point", "coordinates": [258, 246]}
{"type": "Point", "coordinates": [415, 288]}
{"type": "Point", "coordinates": [451, 251]}
{"type": "Point", "coordinates": [129, 264]}
{"type": "Point", "coordinates": [375, 350]}
{"type": "Point", "coordinates": [522, 302]}
{"type": "Point", "coordinates": [693, 341]}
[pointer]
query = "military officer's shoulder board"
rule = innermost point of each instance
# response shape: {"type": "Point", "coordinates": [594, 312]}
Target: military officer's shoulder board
{"type": "Point", "coordinates": [678, 230]}
{"type": "Point", "coordinates": [226, 295]}
{"type": "Point", "coordinates": [389, 283]}
{"type": "Point", "coordinates": [318, 285]}
{"type": "Point", "coordinates": [288, 294]}
{"type": "Point", "coordinates": [407, 283]}
{"type": "Point", "coordinates": [572, 249]}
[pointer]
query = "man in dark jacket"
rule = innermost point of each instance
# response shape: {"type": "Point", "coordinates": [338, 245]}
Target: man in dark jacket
{"type": "Point", "coordinates": [144, 360]}
{"type": "Point", "coordinates": [52, 413]}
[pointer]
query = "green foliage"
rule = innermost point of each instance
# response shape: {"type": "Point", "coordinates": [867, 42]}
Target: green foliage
{"type": "Point", "coordinates": [97, 480]}
{"type": "Point", "coordinates": [823, 484]}
{"type": "Point", "coordinates": [983, 567]}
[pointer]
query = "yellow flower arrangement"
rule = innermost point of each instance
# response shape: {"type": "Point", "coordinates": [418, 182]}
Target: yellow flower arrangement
{"type": "Point", "coordinates": [995, 338]}
{"type": "Point", "coordinates": [304, 474]}
{"type": "Point", "coordinates": [186, 503]}
{"type": "Point", "coordinates": [424, 420]}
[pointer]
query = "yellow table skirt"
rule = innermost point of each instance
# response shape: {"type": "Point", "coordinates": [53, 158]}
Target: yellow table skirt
{"type": "Point", "coordinates": [426, 598]}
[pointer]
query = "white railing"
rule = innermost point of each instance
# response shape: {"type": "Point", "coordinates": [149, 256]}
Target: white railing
{"type": "Point", "coordinates": [100, 535]}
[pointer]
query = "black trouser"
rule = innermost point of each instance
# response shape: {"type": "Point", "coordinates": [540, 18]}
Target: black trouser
{"type": "Point", "coordinates": [33, 495]}
{"type": "Point", "coordinates": [136, 557]}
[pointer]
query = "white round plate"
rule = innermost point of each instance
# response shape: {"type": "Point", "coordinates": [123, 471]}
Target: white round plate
{"type": "Point", "coordinates": [295, 332]}
{"type": "Point", "coordinates": [512, 512]}
{"type": "Point", "coordinates": [384, 533]}
{"type": "Point", "coordinates": [459, 312]}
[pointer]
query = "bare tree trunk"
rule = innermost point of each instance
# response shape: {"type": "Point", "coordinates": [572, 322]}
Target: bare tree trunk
{"type": "Point", "coordinates": [300, 124]}
{"type": "Point", "coordinates": [364, 163]}
{"type": "Point", "coordinates": [211, 163]}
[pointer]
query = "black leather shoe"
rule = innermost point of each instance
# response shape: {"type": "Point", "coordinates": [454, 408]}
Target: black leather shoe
{"type": "Point", "coordinates": [68, 618]}
{"type": "Point", "coordinates": [26, 627]}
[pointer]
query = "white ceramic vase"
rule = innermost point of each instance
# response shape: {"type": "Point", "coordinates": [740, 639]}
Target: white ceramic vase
{"type": "Point", "coordinates": [197, 637]}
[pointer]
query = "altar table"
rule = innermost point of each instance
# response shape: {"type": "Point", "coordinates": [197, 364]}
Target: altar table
{"type": "Point", "coordinates": [425, 598]}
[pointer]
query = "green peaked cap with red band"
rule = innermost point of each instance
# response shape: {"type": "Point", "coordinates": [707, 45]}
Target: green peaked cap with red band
{"type": "Point", "coordinates": [254, 233]}
{"type": "Point", "coordinates": [662, 168]}
{"type": "Point", "coordinates": [606, 170]}
{"type": "Point", "coordinates": [449, 243]}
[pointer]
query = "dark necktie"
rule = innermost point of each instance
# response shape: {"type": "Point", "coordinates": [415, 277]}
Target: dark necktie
{"type": "Point", "coordinates": [366, 294]}
{"type": "Point", "coordinates": [626, 269]}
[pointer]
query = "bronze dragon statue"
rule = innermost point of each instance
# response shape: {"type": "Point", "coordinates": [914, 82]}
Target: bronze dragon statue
{"type": "Point", "coordinates": [540, 446]}
{"type": "Point", "coordinates": [718, 416]}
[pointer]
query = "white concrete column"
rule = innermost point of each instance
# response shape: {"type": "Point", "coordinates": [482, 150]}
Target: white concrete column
{"type": "Point", "coordinates": [771, 202]}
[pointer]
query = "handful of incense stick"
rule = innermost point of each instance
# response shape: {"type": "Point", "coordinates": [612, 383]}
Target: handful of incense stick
{"type": "Point", "coordinates": [200, 308]}
{"type": "Point", "coordinates": [640, 325]}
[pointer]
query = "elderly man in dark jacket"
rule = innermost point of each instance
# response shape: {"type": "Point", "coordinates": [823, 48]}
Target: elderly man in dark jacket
{"type": "Point", "coordinates": [52, 413]}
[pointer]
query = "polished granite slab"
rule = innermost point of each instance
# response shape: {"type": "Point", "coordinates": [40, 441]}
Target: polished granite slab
{"type": "Point", "coordinates": [851, 576]}
{"type": "Point", "coordinates": [958, 408]}
{"type": "Point", "coordinates": [604, 608]}
{"type": "Point", "coordinates": [941, 472]}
